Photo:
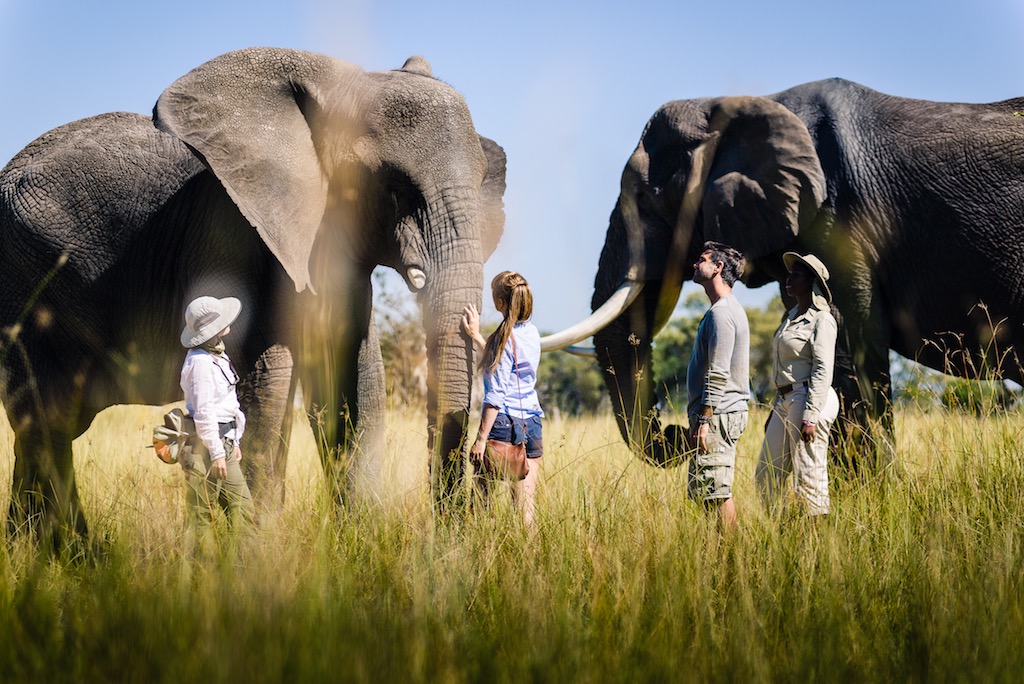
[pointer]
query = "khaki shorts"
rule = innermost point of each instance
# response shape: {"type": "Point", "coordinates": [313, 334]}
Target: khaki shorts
{"type": "Point", "coordinates": [711, 474]}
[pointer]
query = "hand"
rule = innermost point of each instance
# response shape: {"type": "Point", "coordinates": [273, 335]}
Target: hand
{"type": "Point", "coordinates": [476, 452]}
{"type": "Point", "coordinates": [471, 325]}
{"type": "Point", "coordinates": [238, 454]}
{"type": "Point", "coordinates": [807, 432]}
{"type": "Point", "coordinates": [701, 437]}
{"type": "Point", "coordinates": [219, 469]}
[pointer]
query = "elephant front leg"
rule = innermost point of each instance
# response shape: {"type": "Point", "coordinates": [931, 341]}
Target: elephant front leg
{"type": "Point", "coordinates": [44, 497]}
{"type": "Point", "coordinates": [267, 397]}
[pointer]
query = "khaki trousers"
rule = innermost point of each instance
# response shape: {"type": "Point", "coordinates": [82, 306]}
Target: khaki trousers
{"type": "Point", "coordinates": [784, 453]}
{"type": "Point", "coordinates": [204, 494]}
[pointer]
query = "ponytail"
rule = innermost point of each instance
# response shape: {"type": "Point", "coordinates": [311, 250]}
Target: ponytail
{"type": "Point", "coordinates": [513, 297]}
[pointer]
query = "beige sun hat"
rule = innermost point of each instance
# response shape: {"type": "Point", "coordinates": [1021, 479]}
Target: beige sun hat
{"type": "Point", "coordinates": [207, 316]}
{"type": "Point", "coordinates": [817, 267]}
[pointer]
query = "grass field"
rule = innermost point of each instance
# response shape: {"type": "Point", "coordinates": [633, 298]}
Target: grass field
{"type": "Point", "coordinates": [915, 576]}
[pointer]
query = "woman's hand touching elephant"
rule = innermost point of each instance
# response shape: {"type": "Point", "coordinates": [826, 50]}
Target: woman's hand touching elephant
{"type": "Point", "coordinates": [471, 325]}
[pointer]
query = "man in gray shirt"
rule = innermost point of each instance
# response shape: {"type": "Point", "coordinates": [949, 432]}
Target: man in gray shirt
{"type": "Point", "coordinates": [718, 381]}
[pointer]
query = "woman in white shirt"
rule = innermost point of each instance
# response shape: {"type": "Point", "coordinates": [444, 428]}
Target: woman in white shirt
{"type": "Point", "coordinates": [796, 436]}
{"type": "Point", "coordinates": [208, 380]}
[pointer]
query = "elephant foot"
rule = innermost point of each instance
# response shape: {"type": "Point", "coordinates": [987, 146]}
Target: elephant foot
{"type": "Point", "coordinates": [448, 463]}
{"type": "Point", "coordinates": [59, 530]}
{"type": "Point", "coordinates": [863, 447]}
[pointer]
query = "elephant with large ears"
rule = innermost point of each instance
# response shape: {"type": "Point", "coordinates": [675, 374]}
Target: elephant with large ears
{"type": "Point", "coordinates": [276, 176]}
{"type": "Point", "coordinates": [916, 207]}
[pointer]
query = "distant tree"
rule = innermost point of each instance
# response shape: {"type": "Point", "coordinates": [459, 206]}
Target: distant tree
{"type": "Point", "coordinates": [571, 385]}
{"type": "Point", "coordinates": [674, 345]}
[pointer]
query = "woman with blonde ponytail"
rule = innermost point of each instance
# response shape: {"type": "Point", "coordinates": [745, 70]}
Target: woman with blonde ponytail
{"type": "Point", "coordinates": [511, 410]}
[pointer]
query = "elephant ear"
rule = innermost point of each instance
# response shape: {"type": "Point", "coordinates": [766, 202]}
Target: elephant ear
{"type": "Point", "coordinates": [766, 180]}
{"type": "Point", "coordinates": [249, 115]}
{"type": "Point", "coordinates": [491, 193]}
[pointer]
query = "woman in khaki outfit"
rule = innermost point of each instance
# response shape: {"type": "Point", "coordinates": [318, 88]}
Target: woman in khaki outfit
{"type": "Point", "coordinates": [796, 436]}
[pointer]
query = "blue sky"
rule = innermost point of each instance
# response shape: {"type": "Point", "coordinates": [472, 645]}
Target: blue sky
{"type": "Point", "coordinates": [565, 88]}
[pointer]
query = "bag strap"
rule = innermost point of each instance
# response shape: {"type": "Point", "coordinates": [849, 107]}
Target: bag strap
{"type": "Point", "coordinates": [519, 385]}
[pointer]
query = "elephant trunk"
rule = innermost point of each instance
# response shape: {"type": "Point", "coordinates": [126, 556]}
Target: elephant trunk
{"type": "Point", "coordinates": [660, 261]}
{"type": "Point", "coordinates": [454, 279]}
{"type": "Point", "coordinates": [623, 350]}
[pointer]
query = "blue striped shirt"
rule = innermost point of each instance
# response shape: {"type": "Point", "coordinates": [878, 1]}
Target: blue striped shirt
{"type": "Point", "coordinates": [503, 389]}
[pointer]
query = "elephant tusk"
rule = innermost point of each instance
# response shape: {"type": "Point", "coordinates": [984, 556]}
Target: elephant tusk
{"type": "Point", "coordinates": [608, 312]}
{"type": "Point", "coordinates": [416, 279]}
{"type": "Point", "coordinates": [578, 350]}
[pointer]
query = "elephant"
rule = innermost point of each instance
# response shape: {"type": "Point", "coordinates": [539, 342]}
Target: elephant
{"type": "Point", "coordinates": [279, 177]}
{"type": "Point", "coordinates": [916, 207]}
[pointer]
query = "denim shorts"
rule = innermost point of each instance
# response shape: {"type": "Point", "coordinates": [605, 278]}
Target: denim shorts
{"type": "Point", "coordinates": [507, 429]}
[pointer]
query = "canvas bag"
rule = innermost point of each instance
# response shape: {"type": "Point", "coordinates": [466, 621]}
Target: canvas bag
{"type": "Point", "coordinates": [173, 440]}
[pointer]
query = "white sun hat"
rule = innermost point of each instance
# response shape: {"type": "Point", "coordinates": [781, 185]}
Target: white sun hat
{"type": "Point", "coordinates": [207, 316]}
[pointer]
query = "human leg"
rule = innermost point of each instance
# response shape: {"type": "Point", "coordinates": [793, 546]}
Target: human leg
{"type": "Point", "coordinates": [711, 474]}
{"type": "Point", "coordinates": [524, 492]}
{"type": "Point", "coordinates": [235, 498]}
{"type": "Point", "coordinates": [200, 498]}
{"type": "Point", "coordinates": [810, 473]}
{"type": "Point", "coordinates": [773, 463]}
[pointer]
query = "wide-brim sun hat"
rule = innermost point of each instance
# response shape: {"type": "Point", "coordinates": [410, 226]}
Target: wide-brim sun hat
{"type": "Point", "coordinates": [817, 267]}
{"type": "Point", "coordinates": [207, 316]}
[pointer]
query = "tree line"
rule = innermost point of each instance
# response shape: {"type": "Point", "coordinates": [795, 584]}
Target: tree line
{"type": "Point", "coordinates": [572, 386]}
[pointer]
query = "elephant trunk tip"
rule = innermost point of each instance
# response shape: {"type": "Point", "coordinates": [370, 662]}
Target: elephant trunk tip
{"type": "Point", "coordinates": [666, 448]}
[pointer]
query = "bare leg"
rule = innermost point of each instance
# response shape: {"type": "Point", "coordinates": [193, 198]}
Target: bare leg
{"type": "Point", "coordinates": [726, 515]}
{"type": "Point", "coordinates": [524, 494]}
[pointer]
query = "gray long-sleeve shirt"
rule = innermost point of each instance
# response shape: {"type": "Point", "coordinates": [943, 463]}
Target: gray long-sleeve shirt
{"type": "Point", "coordinates": [719, 372]}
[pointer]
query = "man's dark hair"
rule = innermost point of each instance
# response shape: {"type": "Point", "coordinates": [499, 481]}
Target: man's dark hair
{"type": "Point", "coordinates": [733, 262]}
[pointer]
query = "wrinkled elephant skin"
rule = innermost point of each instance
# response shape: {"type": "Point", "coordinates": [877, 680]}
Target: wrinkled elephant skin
{"type": "Point", "coordinates": [917, 209]}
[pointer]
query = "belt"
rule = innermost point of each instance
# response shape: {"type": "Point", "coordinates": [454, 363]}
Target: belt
{"type": "Point", "coordinates": [225, 428]}
{"type": "Point", "coordinates": [786, 389]}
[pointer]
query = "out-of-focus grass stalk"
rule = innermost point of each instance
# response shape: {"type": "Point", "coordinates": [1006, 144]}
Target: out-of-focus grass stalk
{"type": "Point", "coordinates": [915, 575]}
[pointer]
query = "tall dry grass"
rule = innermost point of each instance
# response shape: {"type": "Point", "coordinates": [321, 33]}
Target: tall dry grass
{"type": "Point", "coordinates": [916, 575]}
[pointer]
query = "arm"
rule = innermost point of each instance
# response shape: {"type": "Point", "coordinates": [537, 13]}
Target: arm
{"type": "Point", "coordinates": [239, 431]}
{"type": "Point", "coordinates": [495, 390]}
{"type": "Point", "coordinates": [201, 384]}
{"type": "Point", "coordinates": [721, 341]}
{"type": "Point", "coordinates": [487, 418]}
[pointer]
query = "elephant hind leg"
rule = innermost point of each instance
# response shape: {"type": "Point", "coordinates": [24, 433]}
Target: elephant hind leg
{"type": "Point", "coordinates": [44, 496]}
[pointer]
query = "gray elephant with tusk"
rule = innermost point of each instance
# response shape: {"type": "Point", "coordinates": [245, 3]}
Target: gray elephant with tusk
{"type": "Point", "coordinates": [916, 207]}
{"type": "Point", "coordinates": [276, 176]}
